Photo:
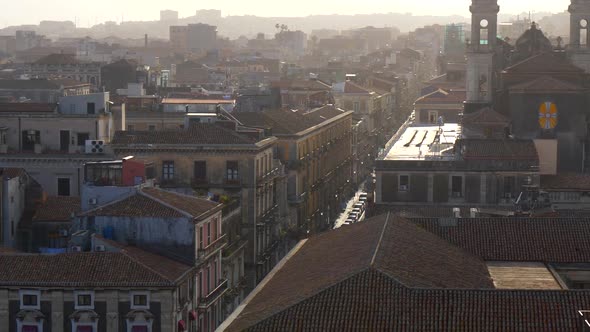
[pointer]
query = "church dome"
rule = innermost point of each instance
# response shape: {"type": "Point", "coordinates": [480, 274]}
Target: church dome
{"type": "Point", "coordinates": [532, 42]}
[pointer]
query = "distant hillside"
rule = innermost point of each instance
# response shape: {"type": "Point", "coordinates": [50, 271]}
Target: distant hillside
{"type": "Point", "coordinates": [235, 26]}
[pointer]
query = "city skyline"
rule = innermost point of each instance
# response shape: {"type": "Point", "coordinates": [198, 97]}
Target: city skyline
{"type": "Point", "coordinates": [89, 14]}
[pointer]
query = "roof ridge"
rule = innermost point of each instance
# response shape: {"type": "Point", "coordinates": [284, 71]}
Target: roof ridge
{"type": "Point", "coordinates": [107, 204]}
{"type": "Point", "coordinates": [142, 192]}
{"type": "Point", "coordinates": [124, 252]}
{"type": "Point", "coordinates": [380, 239]}
{"type": "Point", "coordinates": [321, 290]}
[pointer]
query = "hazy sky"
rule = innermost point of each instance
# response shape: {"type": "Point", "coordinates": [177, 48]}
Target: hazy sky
{"type": "Point", "coordinates": [89, 12]}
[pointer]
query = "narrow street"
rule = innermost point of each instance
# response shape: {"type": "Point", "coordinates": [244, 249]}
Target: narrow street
{"type": "Point", "coordinates": [349, 205]}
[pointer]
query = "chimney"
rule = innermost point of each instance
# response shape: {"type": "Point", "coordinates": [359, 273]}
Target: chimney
{"type": "Point", "coordinates": [457, 212]}
{"type": "Point", "coordinates": [473, 212]}
{"type": "Point", "coordinates": [146, 41]}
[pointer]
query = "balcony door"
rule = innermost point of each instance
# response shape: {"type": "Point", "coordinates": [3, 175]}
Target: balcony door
{"type": "Point", "coordinates": [64, 140]}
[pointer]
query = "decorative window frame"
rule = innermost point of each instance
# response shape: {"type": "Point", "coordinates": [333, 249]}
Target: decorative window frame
{"type": "Point", "coordinates": [139, 307]}
{"type": "Point", "coordinates": [23, 292]}
{"type": "Point", "coordinates": [83, 307]}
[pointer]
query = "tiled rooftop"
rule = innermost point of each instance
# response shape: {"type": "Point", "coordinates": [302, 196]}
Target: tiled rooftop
{"type": "Point", "coordinates": [370, 301]}
{"type": "Point", "coordinates": [548, 240]}
{"type": "Point", "coordinates": [105, 269]}
{"type": "Point", "coordinates": [57, 208]}
{"type": "Point", "coordinates": [288, 122]}
{"type": "Point", "coordinates": [386, 245]}
{"type": "Point", "coordinates": [566, 182]}
{"type": "Point", "coordinates": [419, 281]}
{"type": "Point", "coordinates": [198, 134]}
{"type": "Point", "coordinates": [157, 203]}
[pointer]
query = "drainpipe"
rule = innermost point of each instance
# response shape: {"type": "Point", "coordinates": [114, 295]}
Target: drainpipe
{"type": "Point", "coordinates": [20, 136]}
{"type": "Point", "coordinates": [5, 222]}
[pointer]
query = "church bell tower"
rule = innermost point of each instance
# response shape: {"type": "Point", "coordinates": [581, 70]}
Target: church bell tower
{"type": "Point", "coordinates": [480, 53]}
{"type": "Point", "coordinates": [579, 47]}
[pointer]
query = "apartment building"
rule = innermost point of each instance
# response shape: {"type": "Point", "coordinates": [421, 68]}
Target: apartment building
{"type": "Point", "coordinates": [217, 159]}
{"type": "Point", "coordinates": [316, 148]}
{"type": "Point", "coordinates": [50, 141]}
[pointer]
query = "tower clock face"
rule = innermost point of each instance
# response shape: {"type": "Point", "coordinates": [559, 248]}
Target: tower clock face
{"type": "Point", "coordinates": [548, 115]}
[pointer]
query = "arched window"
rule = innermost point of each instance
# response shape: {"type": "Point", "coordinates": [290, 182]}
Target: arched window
{"type": "Point", "coordinates": [483, 32]}
{"type": "Point", "coordinates": [583, 32]}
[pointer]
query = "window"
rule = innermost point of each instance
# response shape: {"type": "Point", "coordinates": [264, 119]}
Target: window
{"type": "Point", "coordinates": [457, 186]}
{"type": "Point", "coordinates": [509, 186]}
{"type": "Point", "coordinates": [30, 138]}
{"type": "Point", "coordinates": [152, 128]}
{"type": "Point", "coordinates": [82, 138]}
{"type": "Point", "coordinates": [214, 222]}
{"type": "Point", "coordinates": [432, 117]}
{"type": "Point", "coordinates": [30, 299]}
{"type": "Point", "coordinates": [63, 187]}
{"type": "Point", "coordinates": [72, 108]}
{"type": "Point", "coordinates": [200, 170]}
{"type": "Point", "coordinates": [208, 233]}
{"type": "Point", "coordinates": [140, 300]}
{"type": "Point", "coordinates": [84, 300]}
{"type": "Point", "coordinates": [483, 32]}
{"type": "Point", "coordinates": [201, 237]}
{"type": "Point", "coordinates": [404, 183]}
{"type": "Point", "coordinates": [200, 281]}
{"type": "Point", "coordinates": [356, 106]}
{"type": "Point", "coordinates": [583, 32]}
{"type": "Point", "coordinates": [130, 127]}
{"type": "Point", "coordinates": [232, 171]}
{"type": "Point", "coordinates": [91, 108]}
{"type": "Point", "coordinates": [168, 170]}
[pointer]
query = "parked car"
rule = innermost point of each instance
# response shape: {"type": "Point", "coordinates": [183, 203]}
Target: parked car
{"type": "Point", "coordinates": [363, 196]}
{"type": "Point", "coordinates": [350, 221]}
{"type": "Point", "coordinates": [354, 215]}
{"type": "Point", "coordinates": [357, 210]}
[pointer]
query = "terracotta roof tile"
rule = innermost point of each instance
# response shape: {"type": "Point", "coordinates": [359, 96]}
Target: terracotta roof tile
{"type": "Point", "coordinates": [198, 134]}
{"type": "Point", "coordinates": [152, 202]}
{"type": "Point", "coordinates": [58, 59]}
{"type": "Point", "coordinates": [443, 97]}
{"type": "Point", "coordinates": [550, 240]}
{"type": "Point", "coordinates": [351, 87]}
{"type": "Point", "coordinates": [374, 299]}
{"type": "Point", "coordinates": [546, 84]}
{"type": "Point", "coordinates": [485, 117]}
{"type": "Point", "coordinates": [28, 107]}
{"type": "Point", "coordinates": [370, 301]}
{"type": "Point", "coordinates": [39, 84]}
{"type": "Point", "coordinates": [421, 259]}
{"type": "Point", "coordinates": [105, 269]}
{"type": "Point", "coordinates": [58, 208]}
{"type": "Point", "coordinates": [288, 122]}
{"type": "Point", "coordinates": [544, 63]}
{"type": "Point", "coordinates": [192, 205]}
{"type": "Point", "coordinates": [12, 172]}
{"type": "Point", "coordinates": [497, 149]}
{"type": "Point", "coordinates": [390, 245]}
{"type": "Point", "coordinates": [579, 182]}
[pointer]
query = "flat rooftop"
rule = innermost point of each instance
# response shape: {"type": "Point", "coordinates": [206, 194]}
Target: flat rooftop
{"type": "Point", "coordinates": [425, 142]}
{"type": "Point", "coordinates": [522, 275]}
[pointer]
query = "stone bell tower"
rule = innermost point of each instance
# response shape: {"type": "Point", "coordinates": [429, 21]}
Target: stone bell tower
{"type": "Point", "coordinates": [480, 53]}
{"type": "Point", "coordinates": [579, 48]}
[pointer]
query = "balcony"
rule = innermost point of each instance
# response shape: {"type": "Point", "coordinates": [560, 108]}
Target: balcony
{"type": "Point", "coordinates": [267, 253]}
{"type": "Point", "coordinates": [231, 210]}
{"type": "Point", "coordinates": [297, 199]}
{"type": "Point", "coordinates": [277, 170]}
{"type": "Point", "coordinates": [215, 246]}
{"type": "Point", "coordinates": [206, 301]}
{"type": "Point", "coordinates": [270, 215]}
